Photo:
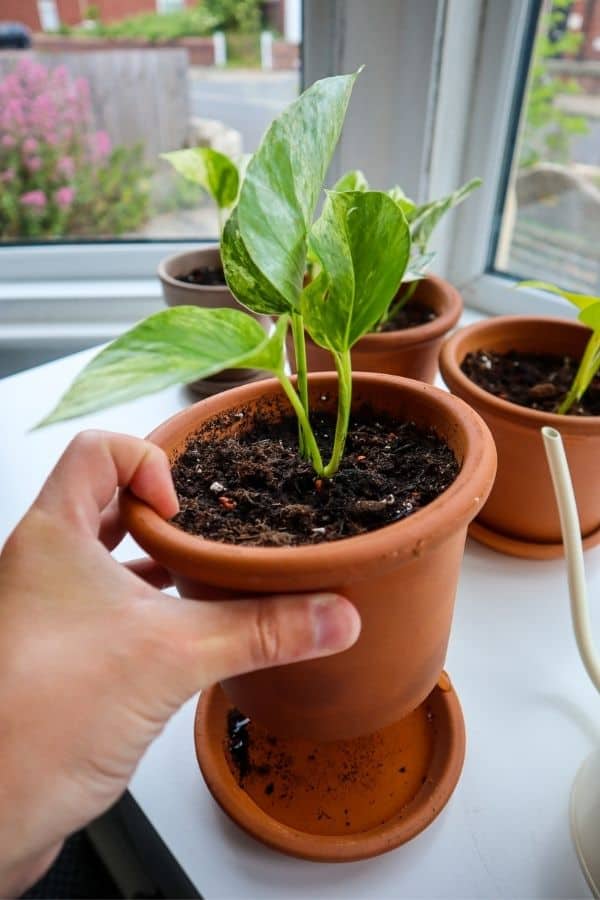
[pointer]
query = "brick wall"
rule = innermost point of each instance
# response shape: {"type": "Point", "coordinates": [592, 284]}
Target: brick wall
{"type": "Point", "coordinates": [24, 11]}
{"type": "Point", "coordinates": [286, 55]}
{"type": "Point", "coordinates": [200, 50]}
{"type": "Point", "coordinates": [70, 11]}
{"type": "Point", "coordinates": [113, 10]}
{"type": "Point", "coordinates": [585, 14]}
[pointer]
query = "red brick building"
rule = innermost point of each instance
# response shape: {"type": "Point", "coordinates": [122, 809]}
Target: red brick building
{"type": "Point", "coordinates": [42, 15]}
{"type": "Point", "coordinates": [584, 17]}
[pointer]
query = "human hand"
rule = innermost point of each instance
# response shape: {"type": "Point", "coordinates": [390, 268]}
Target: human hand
{"type": "Point", "coordinates": [95, 659]}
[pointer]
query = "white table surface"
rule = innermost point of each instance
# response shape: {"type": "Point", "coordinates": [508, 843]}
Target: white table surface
{"type": "Point", "coordinates": [531, 716]}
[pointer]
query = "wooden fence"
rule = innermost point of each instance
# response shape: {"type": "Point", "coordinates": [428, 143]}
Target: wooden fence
{"type": "Point", "coordinates": [138, 96]}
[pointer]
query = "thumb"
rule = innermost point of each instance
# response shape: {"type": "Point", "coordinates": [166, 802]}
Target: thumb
{"type": "Point", "coordinates": [211, 641]}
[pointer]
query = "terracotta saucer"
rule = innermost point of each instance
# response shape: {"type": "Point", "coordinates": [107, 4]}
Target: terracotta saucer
{"type": "Point", "coordinates": [337, 801]}
{"type": "Point", "coordinates": [503, 543]}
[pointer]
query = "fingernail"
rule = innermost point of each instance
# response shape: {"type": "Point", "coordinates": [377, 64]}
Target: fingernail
{"type": "Point", "coordinates": [336, 622]}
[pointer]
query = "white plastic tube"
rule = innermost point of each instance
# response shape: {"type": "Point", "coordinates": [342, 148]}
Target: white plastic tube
{"type": "Point", "coordinates": [569, 523]}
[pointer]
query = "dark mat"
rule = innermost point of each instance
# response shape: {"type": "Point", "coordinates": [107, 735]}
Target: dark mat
{"type": "Point", "coordinates": [77, 874]}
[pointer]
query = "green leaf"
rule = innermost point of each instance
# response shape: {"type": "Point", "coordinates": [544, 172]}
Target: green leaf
{"type": "Point", "coordinates": [210, 169]}
{"type": "Point", "coordinates": [417, 267]}
{"type": "Point", "coordinates": [426, 217]}
{"type": "Point", "coordinates": [174, 346]}
{"type": "Point", "coordinates": [407, 206]}
{"type": "Point", "coordinates": [247, 283]}
{"type": "Point", "coordinates": [581, 301]}
{"type": "Point", "coordinates": [362, 241]}
{"type": "Point", "coordinates": [590, 315]}
{"type": "Point", "coordinates": [243, 163]}
{"type": "Point", "coordinates": [282, 186]}
{"type": "Point", "coordinates": [354, 180]}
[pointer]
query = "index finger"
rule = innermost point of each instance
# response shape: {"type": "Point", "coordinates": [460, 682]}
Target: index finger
{"type": "Point", "coordinates": [94, 465]}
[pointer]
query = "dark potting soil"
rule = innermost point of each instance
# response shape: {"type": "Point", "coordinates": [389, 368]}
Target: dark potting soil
{"type": "Point", "coordinates": [414, 313]}
{"type": "Point", "coordinates": [208, 276]}
{"type": "Point", "coordinates": [255, 489]}
{"type": "Point", "coordinates": [536, 381]}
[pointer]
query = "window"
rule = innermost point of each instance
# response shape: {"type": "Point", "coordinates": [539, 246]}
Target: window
{"type": "Point", "coordinates": [84, 119]}
{"type": "Point", "coordinates": [531, 134]}
{"type": "Point", "coordinates": [551, 210]}
{"type": "Point", "coordinates": [442, 99]}
{"type": "Point", "coordinates": [87, 207]}
{"type": "Point", "coordinates": [49, 19]}
{"type": "Point", "coordinates": [167, 6]}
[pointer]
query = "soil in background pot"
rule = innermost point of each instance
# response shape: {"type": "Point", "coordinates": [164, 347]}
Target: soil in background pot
{"type": "Point", "coordinates": [537, 381]}
{"type": "Point", "coordinates": [253, 488]}
{"type": "Point", "coordinates": [207, 276]}
{"type": "Point", "coordinates": [410, 316]}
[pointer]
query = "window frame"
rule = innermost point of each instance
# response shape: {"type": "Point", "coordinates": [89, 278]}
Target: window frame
{"type": "Point", "coordinates": [504, 37]}
{"type": "Point", "coordinates": [95, 272]}
{"type": "Point", "coordinates": [433, 131]}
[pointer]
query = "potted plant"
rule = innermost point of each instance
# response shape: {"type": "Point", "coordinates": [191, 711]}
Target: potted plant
{"type": "Point", "coordinates": [521, 373]}
{"type": "Point", "coordinates": [363, 485]}
{"type": "Point", "coordinates": [195, 277]}
{"type": "Point", "coordinates": [407, 338]}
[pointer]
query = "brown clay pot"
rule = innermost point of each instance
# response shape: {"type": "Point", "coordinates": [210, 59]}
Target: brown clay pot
{"type": "Point", "coordinates": [402, 578]}
{"type": "Point", "coordinates": [178, 293]}
{"type": "Point", "coordinates": [520, 516]}
{"type": "Point", "coordinates": [412, 352]}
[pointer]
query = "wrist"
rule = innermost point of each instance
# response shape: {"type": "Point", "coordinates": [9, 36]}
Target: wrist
{"type": "Point", "coordinates": [18, 875]}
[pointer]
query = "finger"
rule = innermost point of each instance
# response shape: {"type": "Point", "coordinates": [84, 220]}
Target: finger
{"type": "Point", "coordinates": [206, 642]}
{"type": "Point", "coordinates": [94, 465]}
{"type": "Point", "coordinates": [111, 531]}
{"type": "Point", "coordinates": [151, 572]}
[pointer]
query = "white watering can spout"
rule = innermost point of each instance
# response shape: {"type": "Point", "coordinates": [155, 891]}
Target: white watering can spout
{"type": "Point", "coordinates": [569, 524]}
{"type": "Point", "coordinates": [585, 796]}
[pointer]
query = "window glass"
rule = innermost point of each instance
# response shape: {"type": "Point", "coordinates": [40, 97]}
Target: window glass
{"type": "Point", "coordinates": [108, 86]}
{"type": "Point", "coordinates": [550, 216]}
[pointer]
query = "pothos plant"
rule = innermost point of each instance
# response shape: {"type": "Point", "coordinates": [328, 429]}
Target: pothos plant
{"type": "Point", "coordinates": [361, 242]}
{"type": "Point", "coordinates": [589, 314]}
{"type": "Point", "coordinates": [214, 171]}
{"type": "Point", "coordinates": [422, 220]}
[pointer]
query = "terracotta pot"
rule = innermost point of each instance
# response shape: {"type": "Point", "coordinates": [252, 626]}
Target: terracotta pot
{"type": "Point", "coordinates": [412, 352]}
{"type": "Point", "coordinates": [178, 293]}
{"type": "Point", "coordinates": [520, 516]}
{"type": "Point", "coordinates": [402, 578]}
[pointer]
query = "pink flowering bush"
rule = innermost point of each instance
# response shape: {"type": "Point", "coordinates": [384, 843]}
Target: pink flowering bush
{"type": "Point", "coordinates": [58, 174]}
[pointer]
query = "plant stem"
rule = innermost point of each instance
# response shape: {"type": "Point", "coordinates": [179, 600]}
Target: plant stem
{"type": "Point", "coordinates": [220, 221]}
{"type": "Point", "coordinates": [588, 367]}
{"type": "Point", "coordinates": [301, 370]}
{"type": "Point", "coordinates": [343, 366]}
{"type": "Point", "coordinates": [398, 303]}
{"type": "Point", "coordinates": [304, 425]}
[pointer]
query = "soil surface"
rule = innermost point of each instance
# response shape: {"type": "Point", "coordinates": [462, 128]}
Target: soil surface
{"type": "Point", "coordinates": [209, 276]}
{"type": "Point", "coordinates": [255, 489]}
{"type": "Point", "coordinates": [414, 313]}
{"type": "Point", "coordinates": [536, 381]}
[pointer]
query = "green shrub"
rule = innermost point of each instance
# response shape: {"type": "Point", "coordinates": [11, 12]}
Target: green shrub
{"type": "Point", "coordinates": [236, 15]}
{"type": "Point", "coordinates": [92, 13]}
{"type": "Point", "coordinates": [58, 175]}
{"type": "Point", "coordinates": [197, 21]}
{"type": "Point", "coordinates": [549, 130]}
{"type": "Point", "coordinates": [114, 198]}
